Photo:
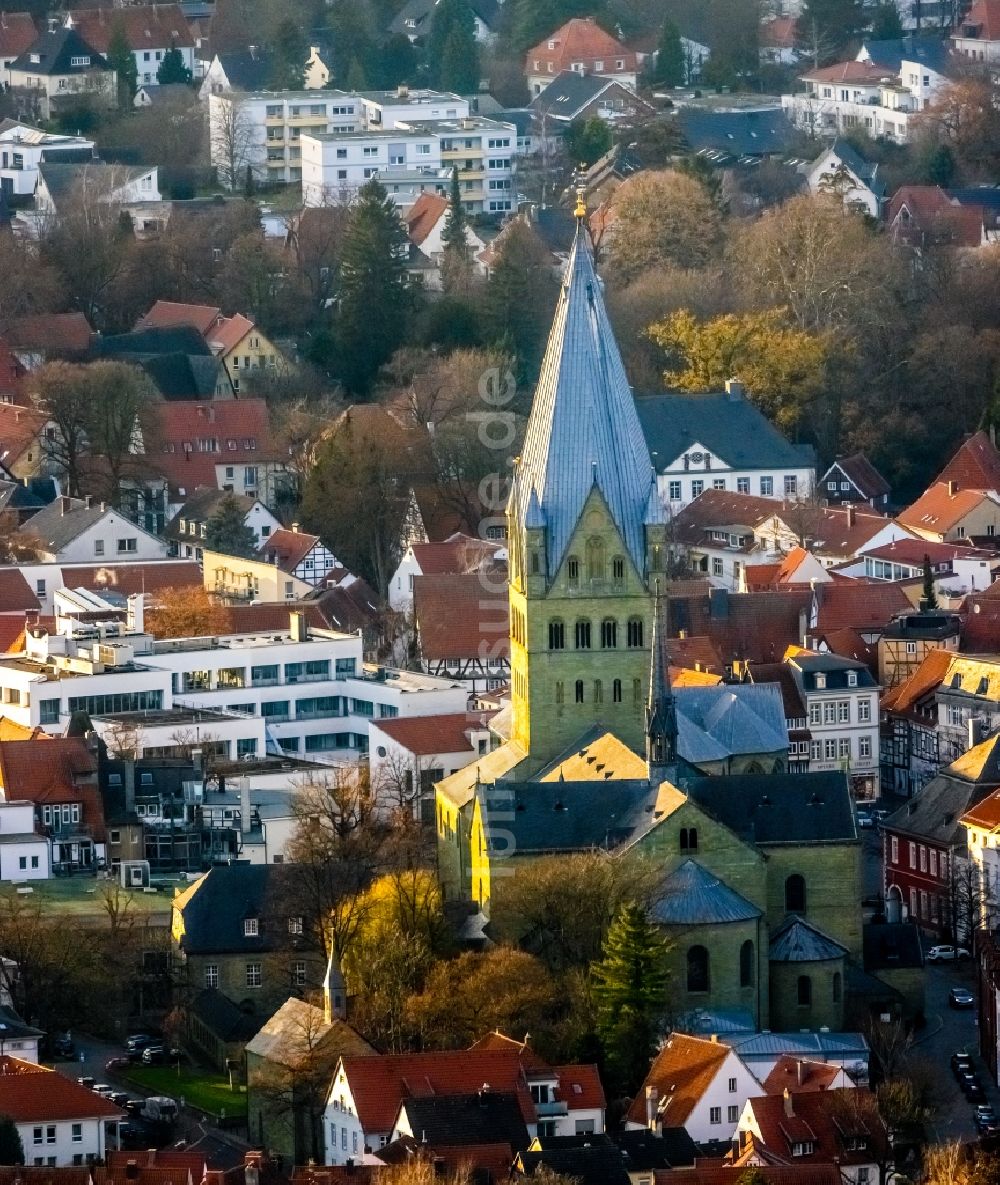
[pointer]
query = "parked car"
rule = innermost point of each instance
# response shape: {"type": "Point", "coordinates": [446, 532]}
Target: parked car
{"type": "Point", "coordinates": [103, 1088]}
{"type": "Point", "coordinates": [154, 1055]}
{"type": "Point", "coordinates": [975, 1093]}
{"type": "Point", "coordinates": [985, 1111]}
{"type": "Point", "coordinates": [118, 1097]}
{"type": "Point", "coordinates": [946, 954]}
{"type": "Point", "coordinates": [116, 1063]}
{"type": "Point", "coordinates": [63, 1047]}
{"type": "Point", "coordinates": [87, 1081]}
{"type": "Point", "coordinates": [968, 1080]}
{"type": "Point", "coordinates": [137, 1042]}
{"type": "Point", "coordinates": [960, 997]}
{"type": "Point", "coordinates": [864, 818]}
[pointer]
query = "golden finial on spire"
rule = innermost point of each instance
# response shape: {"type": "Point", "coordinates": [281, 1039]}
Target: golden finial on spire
{"type": "Point", "coordinates": [581, 206]}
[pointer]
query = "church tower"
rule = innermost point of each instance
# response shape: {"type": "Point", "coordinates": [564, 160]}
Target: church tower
{"type": "Point", "coordinates": [661, 711]}
{"type": "Point", "coordinates": [586, 536]}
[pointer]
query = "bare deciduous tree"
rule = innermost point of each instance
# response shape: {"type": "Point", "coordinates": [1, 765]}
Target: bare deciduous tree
{"type": "Point", "coordinates": [231, 139]}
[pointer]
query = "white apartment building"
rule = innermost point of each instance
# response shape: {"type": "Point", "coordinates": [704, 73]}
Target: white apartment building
{"type": "Point", "coordinates": [264, 129]}
{"type": "Point", "coordinates": [301, 691]}
{"type": "Point", "coordinates": [335, 166]}
{"type": "Point", "coordinates": [24, 855]}
{"type": "Point", "coordinates": [385, 110]}
{"type": "Point", "coordinates": [863, 95]}
{"type": "Point", "coordinates": [483, 151]}
{"type": "Point", "coordinates": [21, 148]}
{"type": "Point", "coordinates": [841, 699]}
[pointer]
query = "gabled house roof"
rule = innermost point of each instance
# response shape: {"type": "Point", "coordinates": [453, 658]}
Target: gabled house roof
{"type": "Point", "coordinates": [755, 626]}
{"type": "Point", "coordinates": [865, 73]}
{"type": "Point", "coordinates": [570, 92]}
{"type": "Point", "coordinates": [580, 40]}
{"type": "Point", "coordinates": [61, 770]}
{"type": "Point", "coordinates": [20, 428]}
{"type": "Point", "coordinates": [298, 1031]}
{"type": "Point", "coordinates": [921, 215]}
{"type": "Point", "coordinates": [450, 620]}
{"type": "Point", "coordinates": [425, 213]}
{"type": "Point", "coordinates": [241, 429]}
{"type": "Point", "coordinates": [865, 172]}
{"type": "Point", "coordinates": [480, 1117]}
{"type": "Point", "coordinates": [590, 1164]}
{"type": "Point", "coordinates": [200, 507]}
{"type": "Point", "coordinates": [861, 473]}
{"type": "Point", "coordinates": [732, 428]}
{"type": "Point", "coordinates": [15, 594]}
{"type": "Point", "coordinates": [736, 133]}
{"type": "Point", "coordinates": [414, 18]}
{"type": "Point", "coordinates": [975, 464]}
{"type": "Point", "coordinates": [247, 70]}
{"type": "Point", "coordinates": [830, 1121]}
{"type": "Point", "coordinates": [127, 579]}
{"type": "Point", "coordinates": [56, 50]}
{"type": "Point", "coordinates": [929, 675]}
{"type": "Point", "coordinates": [982, 21]}
{"type": "Point", "coordinates": [379, 1085]}
{"type": "Point", "coordinates": [798, 1075]}
{"type": "Point", "coordinates": [287, 549]}
{"type": "Point", "coordinates": [940, 509]}
{"type": "Point", "coordinates": [931, 52]}
{"type": "Point", "coordinates": [51, 333]}
{"type": "Point", "coordinates": [63, 180]}
{"type": "Point", "coordinates": [168, 314]}
{"type": "Point", "coordinates": [459, 554]}
{"type": "Point", "coordinates": [66, 519]}
{"type": "Point", "coordinates": [17, 32]}
{"type": "Point", "coordinates": [935, 813]}
{"type": "Point", "coordinates": [33, 1093]}
{"type": "Point", "coordinates": [429, 735]}
{"type": "Point", "coordinates": [680, 1074]}
{"type": "Point", "coordinates": [856, 605]}
{"type": "Point", "coordinates": [146, 26]}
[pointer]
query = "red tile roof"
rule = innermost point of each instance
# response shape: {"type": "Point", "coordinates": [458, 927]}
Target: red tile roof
{"type": "Point", "coordinates": [287, 549]}
{"type": "Point", "coordinates": [127, 579]}
{"type": "Point", "coordinates": [693, 654]}
{"type": "Point", "coordinates": [778, 33]}
{"type": "Point", "coordinates": [30, 1093]}
{"type": "Point", "coordinates": [12, 372]}
{"type": "Point", "coordinates": [848, 643]}
{"type": "Point", "coordinates": [15, 594]}
{"type": "Point", "coordinates": [680, 1074]}
{"type": "Point", "coordinates": [799, 1074]}
{"type": "Point", "coordinates": [158, 1158]}
{"type": "Point", "coordinates": [428, 735]}
{"type": "Point", "coordinates": [380, 1084]}
{"type": "Point", "coordinates": [985, 15]}
{"type": "Point", "coordinates": [981, 623]}
{"type": "Point", "coordinates": [17, 32]}
{"type": "Point", "coordinates": [985, 814]}
{"type": "Point", "coordinates": [933, 217]}
{"type": "Point", "coordinates": [459, 553]}
{"type": "Point", "coordinates": [826, 1119]}
{"type": "Point", "coordinates": [61, 770]}
{"type": "Point", "coordinates": [490, 1162]}
{"type": "Point", "coordinates": [51, 333]}
{"type": "Point", "coordinates": [580, 40]}
{"type": "Point", "coordinates": [913, 551]}
{"type": "Point", "coordinates": [939, 510]}
{"type": "Point", "coordinates": [20, 428]}
{"type": "Point", "coordinates": [759, 577]}
{"type": "Point", "coordinates": [857, 605]}
{"type": "Point", "coordinates": [460, 617]}
{"type": "Point", "coordinates": [168, 314]}
{"type": "Point", "coordinates": [975, 464]}
{"type": "Point", "coordinates": [756, 627]}
{"type": "Point", "coordinates": [924, 680]}
{"type": "Point", "coordinates": [147, 26]}
{"type": "Point", "coordinates": [865, 73]}
{"type": "Point", "coordinates": [424, 215]}
{"type": "Point", "coordinates": [241, 429]}
{"type": "Point", "coordinates": [226, 334]}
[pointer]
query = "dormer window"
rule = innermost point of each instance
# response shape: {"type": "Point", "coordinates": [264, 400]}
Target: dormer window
{"type": "Point", "coordinates": [36, 59]}
{"type": "Point", "coordinates": [804, 1148]}
{"type": "Point", "coordinates": [821, 682]}
{"type": "Point", "coordinates": [81, 60]}
{"type": "Point", "coordinates": [295, 925]}
{"type": "Point", "coordinates": [251, 927]}
{"type": "Point", "coordinates": [852, 678]}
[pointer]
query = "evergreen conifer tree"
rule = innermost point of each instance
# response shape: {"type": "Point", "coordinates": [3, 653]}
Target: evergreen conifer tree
{"type": "Point", "coordinates": [356, 78]}
{"type": "Point", "coordinates": [929, 598]}
{"type": "Point", "coordinates": [122, 60]}
{"type": "Point", "coordinates": [172, 68]}
{"type": "Point", "coordinates": [630, 990]}
{"type": "Point", "coordinates": [824, 28]}
{"type": "Point", "coordinates": [226, 530]}
{"type": "Point", "coordinates": [11, 1147]}
{"type": "Point", "coordinates": [671, 68]}
{"type": "Point", "coordinates": [885, 21]}
{"type": "Point", "coordinates": [456, 264]}
{"type": "Point", "coordinates": [375, 299]}
{"type": "Point", "coordinates": [452, 51]}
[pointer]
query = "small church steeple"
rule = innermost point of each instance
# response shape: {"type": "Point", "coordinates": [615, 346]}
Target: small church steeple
{"type": "Point", "coordinates": [661, 710]}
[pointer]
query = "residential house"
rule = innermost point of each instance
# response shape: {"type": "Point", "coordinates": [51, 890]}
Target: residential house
{"type": "Point", "coordinates": [17, 32]}
{"type": "Point", "coordinates": [458, 555]}
{"type": "Point", "coordinates": [924, 216]}
{"type": "Point", "coordinates": [23, 147]}
{"type": "Point", "coordinates": [58, 777]}
{"type": "Point", "coordinates": [763, 1051]}
{"type": "Point", "coordinates": [388, 109]}
{"type": "Point", "coordinates": [799, 1075]}
{"type": "Point", "coordinates": [425, 222]}
{"type": "Point", "coordinates": [842, 1128]}
{"type": "Point", "coordinates": [927, 876]}
{"type": "Point", "coordinates": [977, 35]}
{"type": "Point", "coordinates": [854, 479]}
{"type": "Point", "coordinates": [220, 444]}
{"type": "Point", "coordinates": [60, 1122]}
{"type": "Point", "coordinates": [60, 184]}
{"type": "Point", "coordinates": [841, 699]}
{"type": "Point", "coordinates": [409, 756]}
{"type": "Point", "coordinates": [22, 436]}
{"type": "Point", "coordinates": [583, 47]}
{"type": "Point", "coordinates": [77, 530]}
{"type": "Point", "coordinates": [414, 19]}
{"type": "Point", "coordinates": [462, 625]}
{"type": "Point", "coordinates": [841, 171]}
{"type": "Point", "coordinates": [24, 850]}
{"type": "Point", "coordinates": [334, 166]}
{"type": "Point", "coordinates": [484, 1127]}
{"type": "Point", "coordinates": [956, 568]}
{"type": "Point", "coordinates": [967, 701]}
{"type": "Point", "coordinates": [798, 567]}
{"type": "Point", "coordinates": [930, 53]}
{"type": "Point", "coordinates": [290, 1062]}
{"type": "Point", "coordinates": [777, 41]}
{"type": "Point", "coordinates": [57, 67]}
{"type": "Point", "coordinates": [43, 337]}
{"type": "Point", "coordinates": [300, 555]}
{"type": "Point", "coordinates": [249, 933]}
{"type": "Point", "coordinates": [241, 346]}
{"type": "Point", "coordinates": [721, 442]}
{"type": "Point", "coordinates": [367, 1093]}
{"type": "Point", "coordinates": [572, 96]}
{"type": "Point", "coordinates": [907, 640]}
{"type": "Point", "coordinates": [879, 99]}
{"type": "Point", "coordinates": [253, 69]}
{"type": "Point", "coordinates": [697, 1084]}
{"type": "Point", "coordinates": [727, 136]}
{"type": "Point", "coordinates": [152, 30]}
{"type": "Point", "coordinates": [982, 828]}
{"type": "Point", "coordinates": [975, 464]}
{"type": "Point", "coordinates": [910, 754]}
{"type": "Point", "coordinates": [187, 530]}
{"type": "Point", "coordinates": [947, 513]}
{"type": "Point", "coordinates": [255, 580]}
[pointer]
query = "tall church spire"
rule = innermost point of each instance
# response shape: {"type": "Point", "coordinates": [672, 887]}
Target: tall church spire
{"type": "Point", "coordinates": [583, 430]}
{"type": "Point", "coordinates": [661, 711]}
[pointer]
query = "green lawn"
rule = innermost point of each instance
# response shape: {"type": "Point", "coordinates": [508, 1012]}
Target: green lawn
{"type": "Point", "coordinates": [205, 1090]}
{"type": "Point", "coordinates": [83, 897]}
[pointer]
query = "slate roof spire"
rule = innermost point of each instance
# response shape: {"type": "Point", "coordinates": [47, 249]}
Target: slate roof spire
{"type": "Point", "coordinates": [583, 429]}
{"type": "Point", "coordinates": [661, 710]}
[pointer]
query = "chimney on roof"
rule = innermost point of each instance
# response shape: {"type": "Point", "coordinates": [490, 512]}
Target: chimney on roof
{"type": "Point", "coordinates": [850, 514]}
{"type": "Point", "coordinates": [64, 505]}
{"type": "Point", "coordinates": [87, 500]}
{"type": "Point", "coordinates": [402, 91]}
{"type": "Point", "coordinates": [651, 1108]}
{"type": "Point", "coordinates": [787, 1098]}
{"type": "Point", "coordinates": [297, 627]}
{"type": "Point", "coordinates": [295, 528]}
{"type": "Point", "coordinates": [800, 1071]}
{"type": "Point", "coordinates": [251, 1167]}
{"type": "Point", "coordinates": [952, 489]}
{"type": "Point", "coordinates": [734, 390]}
